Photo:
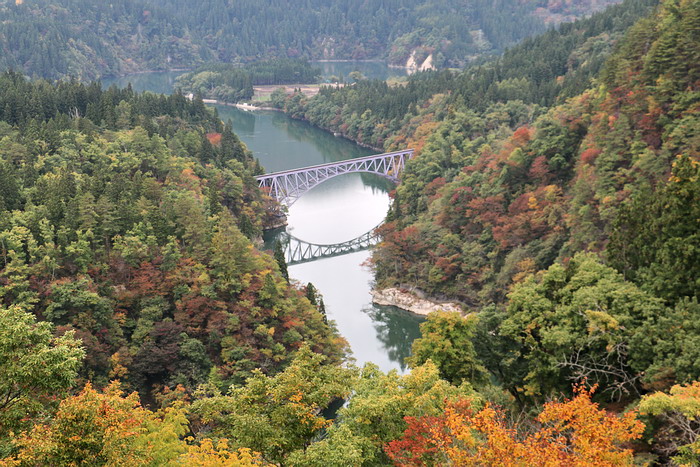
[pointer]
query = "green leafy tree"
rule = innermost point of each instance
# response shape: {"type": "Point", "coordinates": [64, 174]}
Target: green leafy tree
{"type": "Point", "coordinates": [581, 321]}
{"type": "Point", "coordinates": [9, 188]}
{"type": "Point", "coordinates": [278, 98]}
{"type": "Point", "coordinates": [108, 428]}
{"type": "Point", "coordinates": [322, 310]}
{"type": "Point", "coordinates": [676, 340]}
{"type": "Point", "coordinates": [15, 287]}
{"type": "Point", "coordinates": [311, 294]}
{"type": "Point", "coordinates": [276, 415]}
{"type": "Point", "coordinates": [35, 366]}
{"type": "Point", "coordinates": [376, 415]}
{"type": "Point", "coordinates": [446, 340]}
{"type": "Point", "coordinates": [679, 414]}
{"type": "Point", "coordinates": [342, 448]}
{"type": "Point", "coordinates": [281, 261]}
{"type": "Point", "coordinates": [656, 238]}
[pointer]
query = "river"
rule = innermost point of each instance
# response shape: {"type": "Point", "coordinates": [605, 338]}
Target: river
{"type": "Point", "coordinates": [337, 210]}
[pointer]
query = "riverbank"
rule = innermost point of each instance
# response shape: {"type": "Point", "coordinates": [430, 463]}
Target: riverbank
{"type": "Point", "coordinates": [247, 107]}
{"type": "Point", "coordinates": [411, 301]}
{"type": "Point", "coordinates": [340, 135]}
{"type": "Point", "coordinates": [278, 222]}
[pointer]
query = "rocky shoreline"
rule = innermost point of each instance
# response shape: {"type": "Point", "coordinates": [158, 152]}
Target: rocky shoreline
{"type": "Point", "coordinates": [277, 223]}
{"type": "Point", "coordinates": [410, 301]}
{"type": "Point", "coordinates": [248, 107]}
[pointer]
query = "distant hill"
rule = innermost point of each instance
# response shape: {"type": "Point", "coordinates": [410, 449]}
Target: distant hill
{"type": "Point", "coordinates": [88, 39]}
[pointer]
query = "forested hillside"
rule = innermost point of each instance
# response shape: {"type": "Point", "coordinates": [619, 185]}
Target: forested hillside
{"type": "Point", "coordinates": [507, 91]}
{"type": "Point", "coordinates": [359, 29]}
{"type": "Point", "coordinates": [460, 123]}
{"type": "Point", "coordinates": [126, 221]}
{"type": "Point", "coordinates": [89, 39]}
{"type": "Point", "coordinates": [561, 184]}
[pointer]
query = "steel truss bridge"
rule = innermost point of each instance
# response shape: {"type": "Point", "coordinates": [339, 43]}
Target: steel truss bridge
{"type": "Point", "coordinates": [289, 185]}
{"type": "Point", "coordinates": [297, 251]}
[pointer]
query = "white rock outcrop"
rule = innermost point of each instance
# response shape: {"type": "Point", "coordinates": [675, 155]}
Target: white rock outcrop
{"type": "Point", "coordinates": [412, 64]}
{"type": "Point", "coordinates": [410, 302]}
{"type": "Point", "coordinates": [427, 64]}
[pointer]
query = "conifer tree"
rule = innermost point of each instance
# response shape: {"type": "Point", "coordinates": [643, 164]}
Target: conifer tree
{"type": "Point", "coordinates": [281, 262]}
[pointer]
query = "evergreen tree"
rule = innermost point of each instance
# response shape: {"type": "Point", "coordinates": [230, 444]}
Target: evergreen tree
{"type": "Point", "coordinates": [281, 261]}
{"type": "Point", "coordinates": [322, 310]}
{"type": "Point", "coordinates": [311, 294]}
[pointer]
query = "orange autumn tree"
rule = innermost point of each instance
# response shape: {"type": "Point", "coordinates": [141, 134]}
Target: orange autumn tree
{"type": "Point", "coordinates": [571, 433]}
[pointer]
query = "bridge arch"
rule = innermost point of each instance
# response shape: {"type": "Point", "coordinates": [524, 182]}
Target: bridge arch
{"type": "Point", "coordinates": [289, 185]}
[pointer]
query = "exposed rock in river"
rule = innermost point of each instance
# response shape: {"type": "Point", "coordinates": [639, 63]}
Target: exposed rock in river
{"type": "Point", "coordinates": [411, 302]}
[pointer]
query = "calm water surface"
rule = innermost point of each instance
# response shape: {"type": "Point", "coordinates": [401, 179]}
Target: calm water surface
{"type": "Point", "coordinates": [337, 210]}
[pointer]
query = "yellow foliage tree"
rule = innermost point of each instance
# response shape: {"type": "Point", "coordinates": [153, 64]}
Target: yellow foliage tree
{"type": "Point", "coordinates": [206, 454]}
{"type": "Point", "coordinates": [679, 412]}
{"type": "Point", "coordinates": [107, 428]}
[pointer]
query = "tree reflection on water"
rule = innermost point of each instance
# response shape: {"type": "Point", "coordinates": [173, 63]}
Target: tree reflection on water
{"type": "Point", "coordinates": [396, 329]}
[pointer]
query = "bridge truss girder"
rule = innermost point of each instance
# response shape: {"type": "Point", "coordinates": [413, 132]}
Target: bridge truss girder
{"type": "Point", "coordinates": [288, 186]}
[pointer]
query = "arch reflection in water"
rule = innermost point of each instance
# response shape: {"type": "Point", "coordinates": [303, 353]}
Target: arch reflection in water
{"type": "Point", "coordinates": [297, 251]}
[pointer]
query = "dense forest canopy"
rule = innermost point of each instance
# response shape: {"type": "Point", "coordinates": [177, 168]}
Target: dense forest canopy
{"type": "Point", "coordinates": [531, 76]}
{"type": "Point", "coordinates": [555, 195]}
{"type": "Point", "coordinates": [89, 39]}
{"type": "Point", "coordinates": [126, 221]}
